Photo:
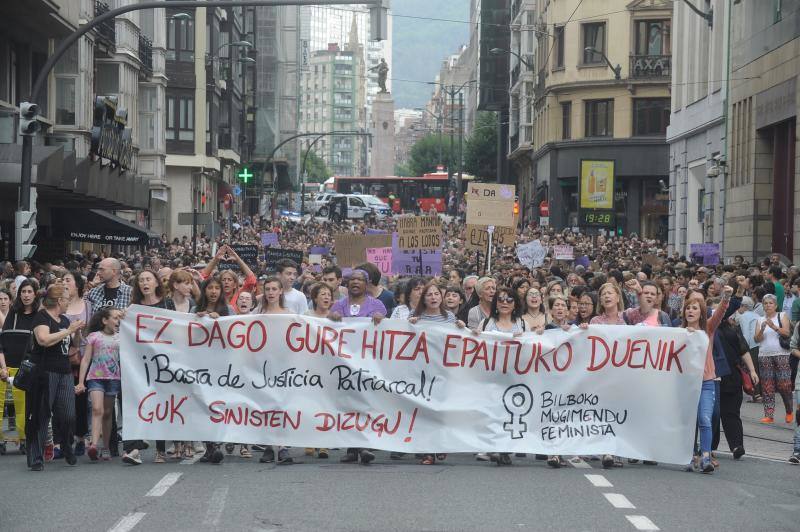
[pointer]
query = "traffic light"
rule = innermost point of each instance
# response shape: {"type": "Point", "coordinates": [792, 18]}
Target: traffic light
{"type": "Point", "coordinates": [378, 22]}
{"type": "Point", "coordinates": [203, 199]}
{"type": "Point", "coordinates": [28, 119]}
{"type": "Point", "coordinates": [245, 175]}
{"type": "Point", "coordinates": [516, 208]}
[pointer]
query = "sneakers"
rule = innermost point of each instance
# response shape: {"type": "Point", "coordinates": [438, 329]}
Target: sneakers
{"type": "Point", "coordinates": [229, 447]}
{"type": "Point", "coordinates": [259, 448]}
{"type": "Point", "coordinates": [38, 466]}
{"type": "Point", "coordinates": [349, 458]}
{"type": "Point", "coordinates": [283, 456]}
{"type": "Point", "coordinates": [795, 458]}
{"type": "Point", "coordinates": [216, 456]}
{"type": "Point", "coordinates": [608, 461]}
{"type": "Point", "coordinates": [57, 454]}
{"type": "Point", "coordinates": [309, 451]}
{"type": "Point", "coordinates": [789, 417]}
{"type": "Point", "coordinates": [705, 465]}
{"type": "Point", "coordinates": [92, 452]}
{"type": "Point", "coordinates": [738, 452]}
{"type": "Point", "coordinates": [160, 458]}
{"type": "Point", "coordinates": [482, 457]}
{"type": "Point", "coordinates": [323, 453]}
{"type": "Point", "coordinates": [268, 457]}
{"type": "Point", "coordinates": [394, 455]}
{"type": "Point", "coordinates": [132, 457]}
{"type": "Point", "coordinates": [554, 461]}
{"type": "Point", "coordinates": [105, 455]}
{"type": "Point", "coordinates": [766, 420]}
{"type": "Point", "coordinates": [69, 455]}
{"type": "Point", "coordinates": [366, 457]}
{"type": "Point", "coordinates": [244, 452]}
{"type": "Point", "coordinates": [80, 448]}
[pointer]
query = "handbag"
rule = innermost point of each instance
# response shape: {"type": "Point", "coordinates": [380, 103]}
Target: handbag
{"type": "Point", "coordinates": [747, 382]}
{"type": "Point", "coordinates": [783, 340]}
{"type": "Point", "coordinates": [26, 374]}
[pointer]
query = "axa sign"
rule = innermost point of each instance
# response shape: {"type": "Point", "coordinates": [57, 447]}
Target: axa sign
{"type": "Point", "coordinates": [111, 140]}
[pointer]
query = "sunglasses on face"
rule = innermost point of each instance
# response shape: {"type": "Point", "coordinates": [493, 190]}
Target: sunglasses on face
{"type": "Point", "coordinates": [505, 299]}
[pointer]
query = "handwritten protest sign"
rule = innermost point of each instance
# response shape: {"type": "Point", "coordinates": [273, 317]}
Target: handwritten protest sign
{"type": "Point", "coordinates": [531, 254]}
{"type": "Point", "coordinates": [419, 232]}
{"type": "Point", "coordinates": [276, 254]}
{"type": "Point", "coordinates": [708, 254]}
{"type": "Point", "coordinates": [489, 204]}
{"type": "Point", "coordinates": [307, 382]}
{"type": "Point", "coordinates": [415, 261]}
{"type": "Point", "coordinates": [381, 258]}
{"type": "Point", "coordinates": [477, 237]}
{"type": "Point", "coordinates": [247, 252]}
{"type": "Point", "coordinates": [269, 239]}
{"type": "Point", "coordinates": [351, 249]}
{"type": "Point", "coordinates": [563, 252]}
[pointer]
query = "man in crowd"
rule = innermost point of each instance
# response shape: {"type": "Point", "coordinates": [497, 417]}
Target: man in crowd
{"type": "Point", "coordinates": [332, 276]}
{"type": "Point", "coordinates": [293, 298]}
{"type": "Point", "coordinates": [111, 292]}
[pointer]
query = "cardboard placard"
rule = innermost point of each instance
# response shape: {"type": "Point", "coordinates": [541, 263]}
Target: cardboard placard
{"type": "Point", "coordinates": [351, 249]}
{"type": "Point", "coordinates": [531, 254]}
{"type": "Point", "coordinates": [490, 204]}
{"type": "Point", "coordinates": [419, 232]}
{"type": "Point", "coordinates": [564, 252]}
{"type": "Point", "coordinates": [269, 239]}
{"type": "Point", "coordinates": [381, 258]}
{"type": "Point", "coordinates": [477, 237]}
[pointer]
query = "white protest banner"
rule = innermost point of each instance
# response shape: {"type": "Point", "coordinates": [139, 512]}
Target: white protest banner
{"type": "Point", "coordinates": [531, 254]}
{"type": "Point", "coordinates": [563, 252]}
{"type": "Point", "coordinates": [381, 258]}
{"type": "Point", "coordinates": [308, 382]}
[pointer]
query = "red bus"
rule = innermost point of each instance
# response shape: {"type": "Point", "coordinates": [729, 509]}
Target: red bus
{"type": "Point", "coordinates": [429, 191]}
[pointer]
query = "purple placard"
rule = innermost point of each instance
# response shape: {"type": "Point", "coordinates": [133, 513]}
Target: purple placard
{"type": "Point", "coordinates": [708, 252]}
{"type": "Point", "coordinates": [319, 250]}
{"type": "Point", "coordinates": [415, 261]}
{"type": "Point", "coordinates": [376, 231]}
{"type": "Point", "coordinates": [269, 239]}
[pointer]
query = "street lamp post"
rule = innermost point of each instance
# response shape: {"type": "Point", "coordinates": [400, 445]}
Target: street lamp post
{"type": "Point", "coordinates": [501, 51]}
{"type": "Point", "coordinates": [616, 69]}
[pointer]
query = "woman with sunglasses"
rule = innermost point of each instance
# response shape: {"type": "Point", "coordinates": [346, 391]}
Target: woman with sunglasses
{"type": "Point", "coordinates": [504, 316]}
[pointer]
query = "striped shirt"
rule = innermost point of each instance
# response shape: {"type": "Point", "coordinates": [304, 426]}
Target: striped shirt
{"type": "Point", "coordinates": [436, 318]}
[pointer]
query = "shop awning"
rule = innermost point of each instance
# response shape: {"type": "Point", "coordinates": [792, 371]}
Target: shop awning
{"type": "Point", "coordinates": [92, 225]}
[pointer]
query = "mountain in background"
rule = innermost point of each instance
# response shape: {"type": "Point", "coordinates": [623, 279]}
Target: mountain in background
{"type": "Point", "coordinates": [419, 46]}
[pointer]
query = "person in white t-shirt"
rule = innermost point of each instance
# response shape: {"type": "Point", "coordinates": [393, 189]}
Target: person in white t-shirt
{"type": "Point", "coordinates": [295, 301]}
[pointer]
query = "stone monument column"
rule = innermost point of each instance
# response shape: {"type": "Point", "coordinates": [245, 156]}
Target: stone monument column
{"type": "Point", "coordinates": [382, 129]}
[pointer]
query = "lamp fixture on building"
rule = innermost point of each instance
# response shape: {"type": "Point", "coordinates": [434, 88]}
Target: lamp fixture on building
{"type": "Point", "coordinates": [500, 51]}
{"type": "Point", "coordinates": [617, 69]}
{"type": "Point", "coordinates": [708, 16]}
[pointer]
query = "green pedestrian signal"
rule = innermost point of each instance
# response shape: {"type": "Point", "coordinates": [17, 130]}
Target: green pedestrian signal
{"type": "Point", "coordinates": [245, 174]}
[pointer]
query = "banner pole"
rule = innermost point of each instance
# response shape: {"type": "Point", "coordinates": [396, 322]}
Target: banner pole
{"type": "Point", "coordinates": [490, 230]}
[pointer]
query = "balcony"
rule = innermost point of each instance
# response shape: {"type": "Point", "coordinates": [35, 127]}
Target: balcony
{"type": "Point", "coordinates": [538, 89]}
{"type": "Point", "coordinates": [513, 142]}
{"type": "Point", "coordinates": [146, 54]}
{"type": "Point", "coordinates": [651, 66]}
{"type": "Point", "coordinates": [107, 30]}
{"type": "Point", "coordinates": [515, 74]}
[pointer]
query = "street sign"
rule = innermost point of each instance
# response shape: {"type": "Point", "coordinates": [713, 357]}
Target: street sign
{"type": "Point", "coordinates": [237, 190]}
{"type": "Point", "coordinates": [187, 218]}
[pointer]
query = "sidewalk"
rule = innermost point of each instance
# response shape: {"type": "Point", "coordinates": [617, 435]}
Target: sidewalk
{"type": "Point", "coordinates": [771, 441]}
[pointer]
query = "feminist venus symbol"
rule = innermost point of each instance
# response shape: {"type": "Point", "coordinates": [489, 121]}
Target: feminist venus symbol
{"type": "Point", "coordinates": [518, 401]}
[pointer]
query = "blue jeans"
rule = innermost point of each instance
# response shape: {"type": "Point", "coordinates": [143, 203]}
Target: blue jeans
{"type": "Point", "coordinates": [705, 411]}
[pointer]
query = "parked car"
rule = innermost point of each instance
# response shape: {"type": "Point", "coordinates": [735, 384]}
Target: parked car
{"type": "Point", "coordinates": [320, 204]}
{"type": "Point", "coordinates": [381, 208]}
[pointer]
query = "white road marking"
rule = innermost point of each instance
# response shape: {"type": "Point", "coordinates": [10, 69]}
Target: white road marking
{"type": "Point", "coordinates": [599, 481]}
{"type": "Point", "coordinates": [618, 500]}
{"type": "Point", "coordinates": [163, 485]}
{"type": "Point", "coordinates": [216, 505]}
{"type": "Point", "coordinates": [127, 522]}
{"type": "Point", "coordinates": [641, 522]}
{"type": "Point", "coordinates": [578, 463]}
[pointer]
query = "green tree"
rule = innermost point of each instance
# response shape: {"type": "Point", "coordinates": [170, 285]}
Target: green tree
{"type": "Point", "coordinates": [316, 169]}
{"type": "Point", "coordinates": [402, 170]}
{"type": "Point", "coordinates": [424, 156]}
{"type": "Point", "coordinates": [480, 149]}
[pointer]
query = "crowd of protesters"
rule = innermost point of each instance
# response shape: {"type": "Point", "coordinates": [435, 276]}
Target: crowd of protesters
{"type": "Point", "coordinates": [66, 313]}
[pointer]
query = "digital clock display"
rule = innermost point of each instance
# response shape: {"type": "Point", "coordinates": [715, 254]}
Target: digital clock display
{"type": "Point", "coordinates": [598, 218]}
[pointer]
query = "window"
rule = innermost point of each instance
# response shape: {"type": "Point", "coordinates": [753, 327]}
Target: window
{"type": "Point", "coordinates": [594, 36]}
{"type": "Point", "coordinates": [180, 118]}
{"type": "Point", "coordinates": [66, 73]}
{"type": "Point", "coordinates": [650, 116]}
{"type": "Point", "coordinates": [653, 37]}
{"type": "Point", "coordinates": [180, 40]}
{"type": "Point", "coordinates": [599, 118]}
{"type": "Point", "coordinates": [107, 82]}
{"type": "Point", "coordinates": [147, 117]}
{"type": "Point", "coordinates": [566, 120]}
{"type": "Point", "coordinates": [776, 11]}
{"type": "Point", "coordinates": [558, 56]}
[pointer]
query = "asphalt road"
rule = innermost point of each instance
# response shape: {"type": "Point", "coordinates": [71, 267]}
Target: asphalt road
{"type": "Point", "coordinates": [760, 492]}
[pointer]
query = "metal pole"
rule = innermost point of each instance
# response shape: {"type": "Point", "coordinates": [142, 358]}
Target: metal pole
{"type": "Point", "coordinates": [25, 175]}
{"type": "Point", "coordinates": [490, 230]}
{"type": "Point", "coordinates": [452, 127]}
{"type": "Point", "coordinates": [459, 183]}
{"type": "Point", "coordinates": [194, 232]}
{"type": "Point", "coordinates": [303, 176]}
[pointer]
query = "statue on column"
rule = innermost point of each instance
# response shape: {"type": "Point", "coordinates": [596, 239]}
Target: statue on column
{"type": "Point", "coordinates": [383, 71]}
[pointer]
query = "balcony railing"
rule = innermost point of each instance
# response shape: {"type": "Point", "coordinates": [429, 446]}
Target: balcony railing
{"type": "Point", "coordinates": [515, 74]}
{"type": "Point", "coordinates": [651, 66]}
{"type": "Point", "coordinates": [513, 142]}
{"type": "Point", "coordinates": [106, 30]}
{"type": "Point", "coordinates": [146, 53]}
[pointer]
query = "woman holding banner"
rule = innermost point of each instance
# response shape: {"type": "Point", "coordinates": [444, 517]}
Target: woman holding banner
{"type": "Point", "coordinates": [535, 315]}
{"type": "Point", "coordinates": [430, 309]}
{"type": "Point", "coordinates": [695, 317]}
